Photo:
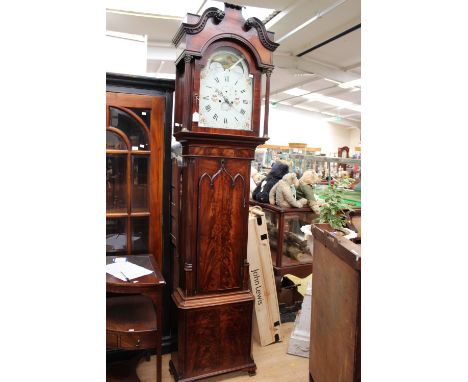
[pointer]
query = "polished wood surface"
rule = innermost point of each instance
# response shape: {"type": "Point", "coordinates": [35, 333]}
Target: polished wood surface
{"type": "Point", "coordinates": [130, 312]}
{"type": "Point", "coordinates": [130, 322]}
{"type": "Point", "coordinates": [335, 323]}
{"type": "Point", "coordinates": [211, 295]}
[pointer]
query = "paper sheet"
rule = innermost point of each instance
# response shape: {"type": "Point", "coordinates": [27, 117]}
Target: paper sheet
{"type": "Point", "coordinates": [126, 269]}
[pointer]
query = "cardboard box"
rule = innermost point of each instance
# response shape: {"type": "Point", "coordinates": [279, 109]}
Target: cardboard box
{"type": "Point", "coordinates": [266, 321]}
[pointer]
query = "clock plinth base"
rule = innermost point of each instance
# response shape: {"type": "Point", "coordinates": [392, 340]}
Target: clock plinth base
{"type": "Point", "coordinates": [250, 368]}
{"type": "Point", "coordinates": [214, 336]}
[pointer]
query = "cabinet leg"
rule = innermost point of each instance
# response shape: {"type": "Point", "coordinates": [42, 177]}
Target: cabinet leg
{"type": "Point", "coordinates": [252, 371]}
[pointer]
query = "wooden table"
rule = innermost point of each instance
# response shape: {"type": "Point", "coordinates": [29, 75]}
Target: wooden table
{"type": "Point", "coordinates": [135, 322]}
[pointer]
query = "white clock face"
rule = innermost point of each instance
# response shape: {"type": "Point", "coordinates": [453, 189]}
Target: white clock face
{"type": "Point", "coordinates": [226, 91]}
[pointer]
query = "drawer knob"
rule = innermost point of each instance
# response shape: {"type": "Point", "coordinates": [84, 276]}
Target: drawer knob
{"type": "Point", "coordinates": [138, 343]}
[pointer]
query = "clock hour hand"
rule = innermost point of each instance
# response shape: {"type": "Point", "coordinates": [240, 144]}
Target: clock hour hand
{"type": "Point", "coordinates": [224, 97]}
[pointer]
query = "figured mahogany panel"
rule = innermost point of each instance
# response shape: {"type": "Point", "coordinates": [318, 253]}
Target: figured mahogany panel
{"type": "Point", "coordinates": [222, 209]}
{"type": "Point", "coordinates": [218, 338]}
{"type": "Point", "coordinates": [235, 332]}
{"type": "Point", "coordinates": [202, 340]}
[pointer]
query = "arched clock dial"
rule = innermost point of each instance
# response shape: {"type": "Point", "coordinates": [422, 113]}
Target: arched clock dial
{"type": "Point", "coordinates": [225, 99]}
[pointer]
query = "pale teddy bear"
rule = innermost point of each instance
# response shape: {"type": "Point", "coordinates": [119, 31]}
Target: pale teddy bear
{"type": "Point", "coordinates": [304, 189]}
{"type": "Point", "coordinates": [283, 193]}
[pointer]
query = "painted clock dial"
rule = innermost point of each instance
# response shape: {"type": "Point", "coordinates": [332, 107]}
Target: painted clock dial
{"type": "Point", "coordinates": [225, 99]}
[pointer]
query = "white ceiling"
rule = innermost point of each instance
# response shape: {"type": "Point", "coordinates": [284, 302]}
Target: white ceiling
{"type": "Point", "coordinates": [338, 60]}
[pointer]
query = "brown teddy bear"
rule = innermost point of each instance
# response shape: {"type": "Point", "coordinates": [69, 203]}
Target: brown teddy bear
{"type": "Point", "coordinates": [283, 193]}
{"type": "Point", "coordinates": [305, 189]}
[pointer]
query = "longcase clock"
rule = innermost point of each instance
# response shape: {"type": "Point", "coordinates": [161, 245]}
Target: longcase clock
{"type": "Point", "coordinates": [219, 70]}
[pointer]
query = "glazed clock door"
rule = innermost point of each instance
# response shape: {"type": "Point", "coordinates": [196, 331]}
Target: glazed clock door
{"type": "Point", "coordinates": [134, 164]}
{"type": "Point", "coordinates": [226, 91]}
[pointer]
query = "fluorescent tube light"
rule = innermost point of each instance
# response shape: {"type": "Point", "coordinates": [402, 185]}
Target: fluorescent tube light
{"type": "Point", "coordinates": [350, 84]}
{"type": "Point", "coordinates": [296, 92]}
{"type": "Point", "coordinates": [330, 80]}
{"type": "Point", "coordinates": [332, 101]}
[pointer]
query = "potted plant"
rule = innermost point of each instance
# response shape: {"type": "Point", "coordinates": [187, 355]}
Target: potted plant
{"type": "Point", "coordinates": [335, 212]}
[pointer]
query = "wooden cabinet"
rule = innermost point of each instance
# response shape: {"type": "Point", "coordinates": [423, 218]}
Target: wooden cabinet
{"type": "Point", "coordinates": [335, 334]}
{"type": "Point", "coordinates": [134, 174]}
{"type": "Point", "coordinates": [138, 136]}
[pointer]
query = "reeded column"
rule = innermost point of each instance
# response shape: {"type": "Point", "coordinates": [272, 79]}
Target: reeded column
{"type": "Point", "coordinates": [188, 100]}
{"type": "Point", "coordinates": [267, 101]}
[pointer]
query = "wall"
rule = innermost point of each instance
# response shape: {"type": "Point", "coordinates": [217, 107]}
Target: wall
{"type": "Point", "coordinates": [355, 138]}
{"type": "Point", "coordinates": [125, 53]}
{"type": "Point", "coordinates": [289, 124]}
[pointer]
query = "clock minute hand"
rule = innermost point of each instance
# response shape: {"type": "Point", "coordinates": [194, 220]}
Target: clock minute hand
{"type": "Point", "coordinates": [224, 97]}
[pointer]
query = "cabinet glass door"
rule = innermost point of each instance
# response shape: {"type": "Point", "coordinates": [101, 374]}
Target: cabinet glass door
{"type": "Point", "coordinates": [134, 141]}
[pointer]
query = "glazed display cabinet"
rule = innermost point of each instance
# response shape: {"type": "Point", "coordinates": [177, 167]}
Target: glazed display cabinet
{"type": "Point", "coordinates": [289, 247]}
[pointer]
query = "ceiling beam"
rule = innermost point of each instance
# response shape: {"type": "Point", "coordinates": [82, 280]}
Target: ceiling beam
{"type": "Point", "coordinates": [294, 85]}
{"type": "Point", "coordinates": [352, 66]}
{"type": "Point", "coordinates": [284, 13]}
{"type": "Point", "coordinates": [333, 38]}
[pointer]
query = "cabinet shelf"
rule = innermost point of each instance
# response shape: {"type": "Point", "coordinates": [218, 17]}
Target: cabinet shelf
{"type": "Point", "coordinates": [130, 322]}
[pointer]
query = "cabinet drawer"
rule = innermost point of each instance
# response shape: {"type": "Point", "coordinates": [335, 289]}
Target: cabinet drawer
{"type": "Point", "coordinates": [137, 340]}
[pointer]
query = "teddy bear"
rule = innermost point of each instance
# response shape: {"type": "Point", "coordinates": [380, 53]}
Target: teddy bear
{"type": "Point", "coordinates": [261, 192]}
{"type": "Point", "coordinates": [304, 189]}
{"type": "Point", "coordinates": [283, 193]}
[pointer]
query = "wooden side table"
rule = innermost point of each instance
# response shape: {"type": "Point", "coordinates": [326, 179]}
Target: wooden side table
{"type": "Point", "coordinates": [134, 322]}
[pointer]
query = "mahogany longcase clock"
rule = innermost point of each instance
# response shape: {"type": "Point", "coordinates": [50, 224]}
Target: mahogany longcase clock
{"type": "Point", "coordinates": [221, 61]}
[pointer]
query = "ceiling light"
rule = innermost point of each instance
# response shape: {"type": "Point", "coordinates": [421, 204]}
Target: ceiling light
{"type": "Point", "coordinates": [296, 92]}
{"type": "Point", "coordinates": [332, 101]}
{"type": "Point", "coordinates": [313, 96]}
{"type": "Point", "coordinates": [330, 80]}
{"type": "Point", "coordinates": [312, 19]}
{"type": "Point", "coordinates": [350, 84]}
{"type": "Point", "coordinates": [354, 107]}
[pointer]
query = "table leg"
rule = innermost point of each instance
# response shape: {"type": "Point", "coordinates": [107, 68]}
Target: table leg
{"type": "Point", "coordinates": [159, 358]}
{"type": "Point", "coordinates": [157, 301]}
